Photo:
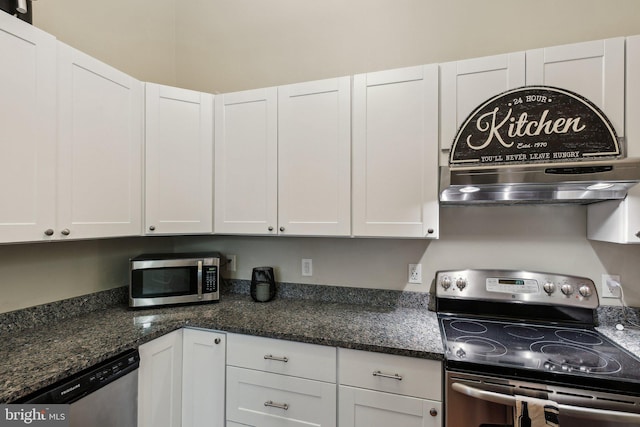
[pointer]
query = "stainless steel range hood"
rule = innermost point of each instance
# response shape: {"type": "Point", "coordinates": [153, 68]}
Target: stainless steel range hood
{"type": "Point", "coordinates": [540, 183]}
{"type": "Point", "coordinates": [537, 144]}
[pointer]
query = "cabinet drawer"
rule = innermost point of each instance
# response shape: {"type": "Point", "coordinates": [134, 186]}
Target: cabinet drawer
{"type": "Point", "coordinates": [390, 373]}
{"type": "Point", "coordinates": [264, 399]}
{"type": "Point", "coordinates": [311, 361]}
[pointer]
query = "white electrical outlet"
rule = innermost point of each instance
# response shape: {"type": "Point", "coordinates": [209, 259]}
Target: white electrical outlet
{"type": "Point", "coordinates": [415, 273]}
{"type": "Point", "coordinates": [610, 283]}
{"type": "Point", "coordinates": [231, 263]}
{"type": "Point", "coordinates": [307, 267]}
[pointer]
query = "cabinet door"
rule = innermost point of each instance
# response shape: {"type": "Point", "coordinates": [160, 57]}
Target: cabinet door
{"type": "Point", "coordinates": [618, 221]}
{"type": "Point", "coordinates": [27, 131]}
{"type": "Point", "coordinates": [178, 161]}
{"type": "Point", "coordinates": [314, 158]}
{"type": "Point", "coordinates": [359, 407]}
{"type": "Point", "coordinates": [160, 382]}
{"type": "Point", "coordinates": [203, 378]}
{"type": "Point", "coordinates": [395, 153]}
{"type": "Point", "coordinates": [246, 157]}
{"type": "Point", "coordinates": [100, 148]}
{"type": "Point", "coordinates": [594, 70]}
{"type": "Point", "coordinates": [464, 85]}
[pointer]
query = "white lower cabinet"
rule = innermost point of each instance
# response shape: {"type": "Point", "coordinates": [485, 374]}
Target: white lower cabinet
{"type": "Point", "coordinates": [274, 382]}
{"type": "Point", "coordinates": [203, 378]}
{"type": "Point", "coordinates": [194, 377]}
{"type": "Point", "coordinates": [264, 399]}
{"type": "Point", "coordinates": [160, 382]}
{"type": "Point", "coordinates": [181, 380]}
{"type": "Point", "coordinates": [378, 389]}
{"type": "Point", "coordinates": [366, 408]}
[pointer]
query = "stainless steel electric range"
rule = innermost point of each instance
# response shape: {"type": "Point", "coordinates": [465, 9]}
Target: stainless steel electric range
{"type": "Point", "coordinates": [518, 336]}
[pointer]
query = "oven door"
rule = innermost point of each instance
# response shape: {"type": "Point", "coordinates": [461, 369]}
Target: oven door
{"type": "Point", "coordinates": [482, 401]}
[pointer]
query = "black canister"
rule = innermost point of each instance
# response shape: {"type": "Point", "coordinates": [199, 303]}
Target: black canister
{"type": "Point", "coordinates": [263, 284]}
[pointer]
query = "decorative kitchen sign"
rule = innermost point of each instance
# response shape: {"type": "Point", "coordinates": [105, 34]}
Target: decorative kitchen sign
{"type": "Point", "coordinates": [534, 124]}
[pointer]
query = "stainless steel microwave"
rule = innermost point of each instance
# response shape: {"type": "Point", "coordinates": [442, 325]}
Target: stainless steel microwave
{"type": "Point", "coordinates": [179, 278]}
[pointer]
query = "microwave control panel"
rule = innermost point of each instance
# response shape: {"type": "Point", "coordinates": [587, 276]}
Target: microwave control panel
{"type": "Point", "coordinates": [210, 279]}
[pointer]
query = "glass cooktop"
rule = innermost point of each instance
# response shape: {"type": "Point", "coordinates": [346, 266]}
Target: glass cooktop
{"type": "Point", "coordinates": [538, 351]}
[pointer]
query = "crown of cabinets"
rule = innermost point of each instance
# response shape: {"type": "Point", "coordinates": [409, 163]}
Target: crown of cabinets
{"type": "Point", "coordinates": [71, 146]}
{"type": "Point", "coordinates": [350, 156]}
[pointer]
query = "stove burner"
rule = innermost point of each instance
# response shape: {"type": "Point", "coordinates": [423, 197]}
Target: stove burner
{"type": "Point", "coordinates": [568, 357]}
{"type": "Point", "coordinates": [468, 327]}
{"type": "Point", "coordinates": [579, 337]}
{"type": "Point", "coordinates": [524, 332]}
{"type": "Point", "coordinates": [479, 346]}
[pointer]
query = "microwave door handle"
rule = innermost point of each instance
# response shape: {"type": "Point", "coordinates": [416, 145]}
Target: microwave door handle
{"type": "Point", "coordinates": [569, 410]}
{"type": "Point", "coordinates": [199, 279]}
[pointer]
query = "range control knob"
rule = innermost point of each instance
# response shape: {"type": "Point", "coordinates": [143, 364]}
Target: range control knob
{"type": "Point", "coordinates": [461, 283]}
{"type": "Point", "coordinates": [549, 287]}
{"type": "Point", "coordinates": [567, 289]}
{"type": "Point", "coordinates": [585, 291]}
{"type": "Point", "coordinates": [446, 282]}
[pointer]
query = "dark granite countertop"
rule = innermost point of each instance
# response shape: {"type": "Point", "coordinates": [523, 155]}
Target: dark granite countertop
{"type": "Point", "coordinates": [44, 344]}
{"type": "Point", "coordinates": [38, 356]}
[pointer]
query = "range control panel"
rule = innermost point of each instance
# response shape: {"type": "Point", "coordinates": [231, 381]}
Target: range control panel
{"type": "Point", "coordinates": [517, 285]}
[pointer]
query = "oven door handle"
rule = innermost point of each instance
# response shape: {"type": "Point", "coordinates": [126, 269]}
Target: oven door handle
{"type": "Point", "coordinates": [569, 410]}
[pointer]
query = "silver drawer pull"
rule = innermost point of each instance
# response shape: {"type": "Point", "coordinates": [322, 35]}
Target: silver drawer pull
{"type": "Point", "coordinates": [276, 358]}
{"type": "Point", "coordinates": [383, 375]}
{"type": "Point", "coordinates": [276, 405]}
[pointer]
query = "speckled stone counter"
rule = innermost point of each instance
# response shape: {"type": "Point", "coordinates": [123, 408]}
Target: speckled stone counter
{"type": "Point", "coordinates": [629, 318]}
{"type": "Point", "coordinates": [38, 356]}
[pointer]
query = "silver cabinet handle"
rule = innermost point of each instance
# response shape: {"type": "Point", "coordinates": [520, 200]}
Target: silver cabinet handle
{"type": "Point", "coordinates": [638, 234]}
{"type": "Point", "coordinates": [276, 405]}
{"type": "Point", "coordinates": [383, 375]}
{"type": "Point", "coordinates": [270, 228]}
{"type": "Point", "coordinates": [152, 228]}
{"type": "Point", "coordinates": [217, 341]}
{"type": "Point", "coordinates": [569, 410]}
{"type": "Point", "coordinates": [48, 232]}
{"type": "Point", "coordinates": [199, 278]}
{"type": "Point", "coordinates": [276, 358]}
{"type": "Point", "coordinates": [281, 228]}
{"type": "Point", "coordinates": [65, 232]}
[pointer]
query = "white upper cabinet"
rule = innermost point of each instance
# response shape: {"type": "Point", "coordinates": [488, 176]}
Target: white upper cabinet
{"type": "Point", "coordinates": [592, 69]}
{"type": "Point", "coordinates": [464, 85]}
{"type": "Point", "coordinates": [246, 162]}
{"type": "Point", "coordinates": [178, 161]}
{"type": "Point", "coordinates": [314, 158]}
{"type": "Point", "coordinates": [618, 221]}
{"type": "Point", "coordinates": [395, 153]}
{"type": "Point", "coordinates": [282, 160]}
{"type": "Point", "coordinates": [100, 148]}
{"type": "Point", "coordinates": [27, 131]}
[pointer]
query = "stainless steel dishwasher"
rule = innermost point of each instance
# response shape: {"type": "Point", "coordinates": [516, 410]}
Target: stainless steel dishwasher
{"type": "Point", "coordinates": [104, 395]}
